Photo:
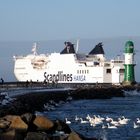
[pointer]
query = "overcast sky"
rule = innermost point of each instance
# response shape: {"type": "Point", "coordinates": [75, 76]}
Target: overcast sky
{"type": "Point", "coordinates": [22, 20]}
{"type": "Point", "coordinates": [44, 20]}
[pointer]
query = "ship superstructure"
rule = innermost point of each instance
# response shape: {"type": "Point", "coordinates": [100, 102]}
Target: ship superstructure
{"type": "Point", "coordinates": [69, 67]}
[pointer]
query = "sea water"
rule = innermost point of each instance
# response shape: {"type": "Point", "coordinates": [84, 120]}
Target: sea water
{"type": "Point", "coordinates": [115, 108]}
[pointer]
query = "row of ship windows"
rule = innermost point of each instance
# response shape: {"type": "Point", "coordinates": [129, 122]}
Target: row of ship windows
{"type": "Point", "coordinates": [119, 71]}
{"type": "Point", "coordinates": [82, 71]}
{"type": "Point", "coordinates": [107, 71]}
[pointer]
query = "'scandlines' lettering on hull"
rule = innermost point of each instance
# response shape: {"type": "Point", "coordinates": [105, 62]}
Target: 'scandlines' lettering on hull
{"type": "Point", "coordinates": [61, 77]}
{"type": "Point", "coordinates": [58, 77]}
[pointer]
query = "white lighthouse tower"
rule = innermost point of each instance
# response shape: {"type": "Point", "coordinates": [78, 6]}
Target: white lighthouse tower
{"type": "Point", "coordinates": [129, 75]}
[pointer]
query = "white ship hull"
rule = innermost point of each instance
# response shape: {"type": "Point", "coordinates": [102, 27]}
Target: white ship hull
{"type": "Point", "coordinates": [69, 67]}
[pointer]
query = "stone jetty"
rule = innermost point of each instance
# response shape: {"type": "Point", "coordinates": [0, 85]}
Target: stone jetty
{"type": "Point", "coordinates": [34, 101]}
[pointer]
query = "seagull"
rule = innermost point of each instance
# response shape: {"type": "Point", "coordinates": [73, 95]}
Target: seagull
{"type": "Point", "coordinates": [114, 122]}
{"type": "Point", "coordinates": [108, 119]}
{"type": "Point", "coordinates": [83, 121]}
{"type": "Point", "coordinates": [122, 121]}
{"type": "Point", "coordinates": [104, 126]}
{"type": "Point", "coordinates": [88, 117]}
{"type": "Point", "coordinates": [138, 120]}
{"type": "Point", "coordinates": [76, 118]}
{"type": "Point", "coordinates": [135, 125]}
{"type": "Point", "coordinates": [111, 126]}
{"type": "Point", "coordinates": [69, 98]}
{"type": "Point", "coordinates": [67, 121]}
{"type": "Point", "coordinates": [4, 102]}
{"type": "Point", "coordinates": [126, 119]}
{"type": "Point", "coordinates": [46, 106]}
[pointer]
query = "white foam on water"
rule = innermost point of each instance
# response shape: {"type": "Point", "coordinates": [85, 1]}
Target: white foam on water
{"type": "Point", "coordinates": [131, 93]}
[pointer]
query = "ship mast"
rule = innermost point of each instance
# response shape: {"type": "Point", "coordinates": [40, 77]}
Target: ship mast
{"type": "Point", "coordinates": [77, 45]}
{"type": "Point", "coordinates": [34, 48]}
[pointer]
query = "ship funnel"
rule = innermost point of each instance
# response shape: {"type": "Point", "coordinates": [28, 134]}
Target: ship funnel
{"type": "Point", "coordinates": [69, 48]}
{"type": "Point", "coordinates": [129, 75]}
{"type": "Point", "coordinates": [97, 50]}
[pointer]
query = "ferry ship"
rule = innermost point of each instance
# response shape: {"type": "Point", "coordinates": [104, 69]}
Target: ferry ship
{"type": "Point", "coordinates": [68, 66]}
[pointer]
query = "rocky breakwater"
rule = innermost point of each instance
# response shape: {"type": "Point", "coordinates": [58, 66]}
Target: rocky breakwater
{"type": "Point", "coordinates": [35, 101]}
{"type": "Point", "coordinates": [17, 124]}
{"type": "Point", "coordinates": [31, 127]}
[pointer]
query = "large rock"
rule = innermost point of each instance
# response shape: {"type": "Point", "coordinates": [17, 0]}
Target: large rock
{"type": "Point", "coordinates": [36, 136]}
{"type": "Point", "coordinates": [43, 123]}
{"type": "Point", "coordinates": [11, 134]}
{"type": "Point", "coordinates": [73, 136]}
{"type": "Point", "coordinates": [8, 135]}
{"type": "Point", "coordinates": [4, 123]}
{"type": "Point", "coordinates": [28, 118]}
{"type": "Point", "coordinates": [62, 126]}
{"type": "Point", "coordinates": [31, 127]}
{"type": "Point", "coordinates": [16, 122]}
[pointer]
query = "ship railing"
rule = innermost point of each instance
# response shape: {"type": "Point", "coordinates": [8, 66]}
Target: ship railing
{"type": "Point", "coordinates": [117, 61]}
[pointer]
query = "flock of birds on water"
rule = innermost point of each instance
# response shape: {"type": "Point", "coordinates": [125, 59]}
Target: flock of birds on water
{"type": "Point", "coordinates": [104, 122]}
{"type": "Point", "coordinates": [94, 120]}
